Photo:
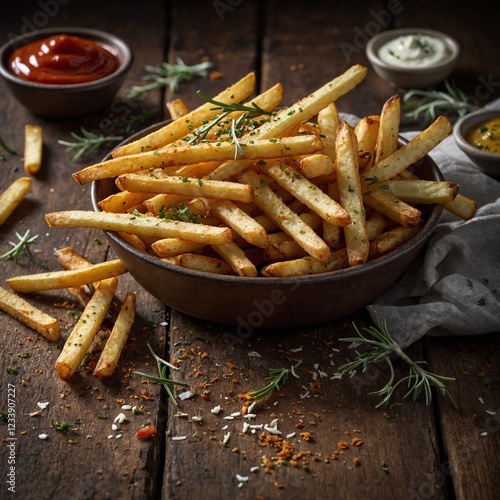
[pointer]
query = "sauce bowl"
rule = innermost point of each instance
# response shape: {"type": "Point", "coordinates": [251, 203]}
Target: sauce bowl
{"type": "Point", "coordinates": [249, 302]}
{"type": "Point", "coordinates": [66, 100]}
{"type": "Point", "coordinates": [487, 162]}
{"type": "Point", "coordinates": [418, 76]}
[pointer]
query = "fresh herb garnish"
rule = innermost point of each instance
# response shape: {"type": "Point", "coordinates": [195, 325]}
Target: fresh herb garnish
{"type": "Point", "coordinates": [11, 370]}
{"type": "Point", "coordinates": [22, 247]}
{"type": "Point", "coordinates": [278, 377]}
{"type": "Point", "coordinates": [87, 142]}
{"type": "Point", "coordinates": [182, 213]}
{"type": "Point", "coordinates": [425, 105]}
{"type": "Point", "coordinates": [168, 75]}
{"type": "Point", "coordinates": [59, 426]}
{"type": "Point", "coordinates": [167, 383]}
{"type": "Point", "coordinates": [380, 348]}
{"type": "Point", "coordinates": [6, 148]}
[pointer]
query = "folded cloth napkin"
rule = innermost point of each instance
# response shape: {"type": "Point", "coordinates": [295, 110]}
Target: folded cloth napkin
{"type": "Point", "coordinates": [453, 287]}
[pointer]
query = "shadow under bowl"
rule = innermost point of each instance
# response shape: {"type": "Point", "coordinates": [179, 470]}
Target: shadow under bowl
{"type": "Point", "coordinates": [250, 303]}
{"type": "Point", "coordinates": [67, 100]}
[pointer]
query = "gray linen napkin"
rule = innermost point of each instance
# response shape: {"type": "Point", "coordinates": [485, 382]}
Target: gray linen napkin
{"type": "Point", "coordinates": [453, 287]}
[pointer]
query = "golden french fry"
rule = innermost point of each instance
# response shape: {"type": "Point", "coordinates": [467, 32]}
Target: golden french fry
{"type": "Point", "coordinates": [304, 109]}
{"type": "Point", "coordinates": [411, 152]}
{"type": "Point", "coordinates": [180, 128]}
{"type": "Point", "coordinates": [307, 265]}
{"type": "Point", "coordinates": [388, 130]}
{"type": "Point", "coordinates": [390, 205]}
{"type": "Point", "coordinates": [247, 227]}
{"type": "Point", "coordinates": [33, 148]}
{"type": "Point", "coordinates": [80, 339]}
{"type": "Point", "coordinates": [11, 198]}
{"type": "Point", "coordinates": [177, 108]}
{"type": "Point", "coordinates": [316, 165]}
{"type": "Point", "coordinates": [186, 186]}
{"type": "Point", "coordinates": [117, 339]}
{"type": "Point", "coordinates": [285, 218]}
{"type": "Point", "coordinates": [351, 197]}
{"type": "Point", "coordinates": [170, 247]}
{"type": "Point", "coordinates": [63, 279]}
{"type": "Point", "coordinates": [123, 201]}
{"type": "Point", "coordinates": [366, 133]}
{"type": "Point", "coordinates": [29, 315]}
{"type": "Point", "coordinates": [328, 122]}
{"type": "Point", "coordinates": [206, 151]}
{"type": "Point", "coordinates": [141, 225]}
{"type": "Point", "coordinates": [134, 240]}
{"type": "Point", "coordinates": [307, 193]}
{"type": "Point", "coordinates": [421, 191]}
{"type": "Point", "coordinates": [391, 240]}
{"type": "Point", "coordinates": [237, 259]}
{"type": "Point", "coordinates": [204, 263]}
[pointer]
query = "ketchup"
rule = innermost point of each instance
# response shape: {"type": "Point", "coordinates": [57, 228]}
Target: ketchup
{"type": "Point", "coordinates": [61, 60]}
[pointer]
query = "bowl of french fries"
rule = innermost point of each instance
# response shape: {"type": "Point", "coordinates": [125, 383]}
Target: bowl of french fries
{"type": "Point", "coordinates": [249, 213]}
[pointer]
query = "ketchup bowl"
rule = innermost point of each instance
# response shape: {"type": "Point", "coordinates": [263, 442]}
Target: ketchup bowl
{"type": "Point", "coordinates": [64, 72]}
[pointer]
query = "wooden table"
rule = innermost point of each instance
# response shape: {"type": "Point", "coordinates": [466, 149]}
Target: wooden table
{"type": "Point", "coordinates": [404, 450]}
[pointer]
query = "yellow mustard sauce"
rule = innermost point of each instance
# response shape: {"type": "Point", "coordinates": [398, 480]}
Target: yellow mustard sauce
{"type": "Point", "coordinates": [485, 135]}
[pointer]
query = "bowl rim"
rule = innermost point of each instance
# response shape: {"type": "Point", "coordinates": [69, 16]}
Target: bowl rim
{"type": "Point", "coordinates": [428, 228]}
{"type": "Point", "coordinates": [111, 41]}
{"type": "Point", "coordinates": [376, 41]}
{"type": "Point", "coordinates": [462, 126]}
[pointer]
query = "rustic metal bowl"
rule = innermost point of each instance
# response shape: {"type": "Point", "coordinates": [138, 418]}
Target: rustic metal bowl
{"type": "Point", "coordinates": [250, 303]}
{"type": "Point", "coordinates": [413, 77]}
{"type": "Point", "coordinates": [68, 100]}
{"type": "Point", "coordinates": [487, 162]}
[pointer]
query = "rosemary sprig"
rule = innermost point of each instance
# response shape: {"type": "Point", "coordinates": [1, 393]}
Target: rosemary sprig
{"type": "Point", "coordinates": [87, 142]}
{"type": "Point", "coordinates": [278, 377]}
{"type": "Point", "coordinates": [182, 213]}
{"type": "Point", "coordinates": [22, 247]}
{"type": "Point", "coordinates": [162, 378]}
{"type": "Point", "coordinates": [168, 75]}
{"type": "Point", "coordinates": [380, 348]}
{"type": "Point", "coordinates": [430, 103]}
{"type": "Point", "coordinates": [249, 113]}
{"type": "Point", "coordinates": [6, 148]}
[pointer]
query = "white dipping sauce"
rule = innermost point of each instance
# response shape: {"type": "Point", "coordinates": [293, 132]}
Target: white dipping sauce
{"type": "Point", "coordinates": [414, 50]}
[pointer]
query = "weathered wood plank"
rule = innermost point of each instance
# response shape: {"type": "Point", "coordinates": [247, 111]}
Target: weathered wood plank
{"type": "Point", "coordinates": [86, 460]}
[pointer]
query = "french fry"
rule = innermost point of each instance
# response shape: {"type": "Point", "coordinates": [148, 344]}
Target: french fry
{"type": "Point", "coordinates": [180, 128]}
{"type": "Point", "coordinates": [285, 218]}
{"type": "Point", "coordinates": [391, 240]}
{"type": "Point", "coordinates": [29, 315]}
{"type": "Point", "coordinates": [186, 186]}
{"type": "Point", "coordinates": [205, 151]}
{"type": "Point", "coordinates": [204, 263]}
{"type": "Point", "coordinates": [177, 108]}
{"type": "Point", "coordinates": [170, 247]}
{"type": "Point", "coordinates": [388, 130]}
{"type": "Point", "coordinates": [420, 191]}
{"type": "Point", "coordinates": [237, 259]}
{"type": "Point", "coordinates": [116, 341]}
{"type": "Point", "coordinates": [123, 201]}
{"type": "Point", "coordinates": [11, 198]}
{"type": "Point", "coordinates": [351, 197]}
{"type": "Point", "coordinates": [141, 225]}
{"type": "Point", "coordinates": [328, 122]}
{"type": "Point", "coordinates": [307, 193]}
{"type": "Point", "coordinates": [411, 152]}
{"type": "Point", "coordinates": [80, 339]}
{"type": "Point", "coordinates": [33, 148]}
{"type": "Point", "coordinates": [316, 165]}
{"type": "Point", "coordinates": [247, 227]}
{"type": "Point", "coordinates": [40, 282]}
{"type": "Point", "coordinates": [366, 132]}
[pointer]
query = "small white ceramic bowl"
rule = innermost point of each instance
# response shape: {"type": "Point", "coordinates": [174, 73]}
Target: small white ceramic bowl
{"type": "Point", "coordinates": [415, 76]}
{"type": "Point", "coordinates": [487, 162]}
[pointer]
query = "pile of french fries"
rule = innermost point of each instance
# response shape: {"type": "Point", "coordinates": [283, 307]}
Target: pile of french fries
{"type": "Point", "coordinates": [296, 193]}
{"type": "Point", "coordinates": [290, 193]}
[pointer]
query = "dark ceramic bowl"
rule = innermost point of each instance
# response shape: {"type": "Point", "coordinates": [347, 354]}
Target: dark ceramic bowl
{"type": "Point", "coordinates": [413, 77]}
{"type": "Point", "coordinates": [489, 163]}
{"type": "Point", "coordinates": [250, 303]}
{"type": "Point", "coordinates": [70, 100]}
